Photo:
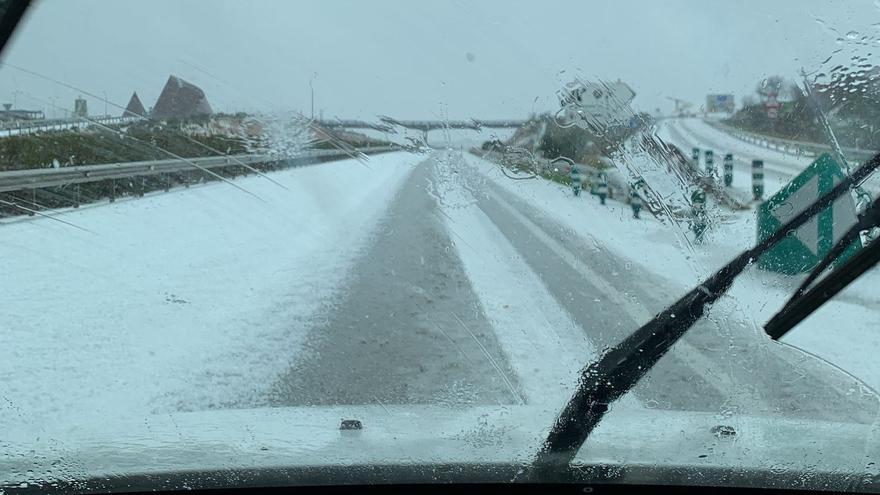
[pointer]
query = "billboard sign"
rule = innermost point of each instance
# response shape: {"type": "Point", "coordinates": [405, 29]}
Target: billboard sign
{"type": "Point", "coordinates": [720, 103]}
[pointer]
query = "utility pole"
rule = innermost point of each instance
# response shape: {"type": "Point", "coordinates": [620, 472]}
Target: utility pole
{"type": "Point", "coordinates": [312, 88]}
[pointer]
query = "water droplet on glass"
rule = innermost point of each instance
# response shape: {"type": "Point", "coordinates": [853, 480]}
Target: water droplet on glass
{"type": "Point", "coordinates": [778, 469]}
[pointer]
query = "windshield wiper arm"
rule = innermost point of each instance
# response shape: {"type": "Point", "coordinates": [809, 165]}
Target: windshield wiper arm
{"type": "Point", "coordinates": [619, 369]}
{"type": "Point", "coordinates": [803, 303]}
{"type": "Point", "coordinates": [11, 14]}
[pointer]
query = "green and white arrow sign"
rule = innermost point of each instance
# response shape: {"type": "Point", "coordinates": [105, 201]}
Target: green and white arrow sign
{"type": "Point", "coordinates": [803, 248]}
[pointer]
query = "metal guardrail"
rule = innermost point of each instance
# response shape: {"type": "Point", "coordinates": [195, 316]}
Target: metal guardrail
{"type": "Point", "coordinates": [387, 124]}
{"type": "Point", "coordinates": [19, 180]}
{"type": "Point", "coordinates": [789, 146]}
{"type": "Point", "coordinates": [24, 127]}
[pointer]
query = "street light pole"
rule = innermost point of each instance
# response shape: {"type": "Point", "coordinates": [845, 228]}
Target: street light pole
{"type": "Point", "coordinates": [105, 104]}
{"type": "Point", "coordinates": [312, 89]}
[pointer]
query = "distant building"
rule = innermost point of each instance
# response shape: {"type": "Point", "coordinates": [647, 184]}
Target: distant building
{"type": "Point", "coordinates": [180, 100]}
{"type": "Point", "coordinates": [80, 108]}
{"type": "Point", "coordinates": [8, 113]}
{"type": "Point", "coordinates": [134, 108]}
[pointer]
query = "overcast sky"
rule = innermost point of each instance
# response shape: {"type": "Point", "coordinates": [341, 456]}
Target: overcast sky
{"type": "Point", "coordinates": [422, 59]}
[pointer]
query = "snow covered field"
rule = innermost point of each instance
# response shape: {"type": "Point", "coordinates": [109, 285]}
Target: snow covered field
{"type": "Point", "coordinates": [191, 299]}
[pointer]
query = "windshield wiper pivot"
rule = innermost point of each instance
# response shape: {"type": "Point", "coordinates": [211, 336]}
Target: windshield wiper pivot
{"type": "Point", "coordinates": [803, 303]}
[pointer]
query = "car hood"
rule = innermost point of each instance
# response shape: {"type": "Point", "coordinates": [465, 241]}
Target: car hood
{"type": "Point", "coordinates": [305, 445]}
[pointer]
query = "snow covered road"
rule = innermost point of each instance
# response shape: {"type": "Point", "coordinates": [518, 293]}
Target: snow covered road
{"type": "Point", "coordinates": [610, 273]}
{"type": "Point", "coordinates": [407, 279]}
{"type": "Point", "coordinates": [779, 168]}
{"type": "Point", "coordinates": [455, 229]}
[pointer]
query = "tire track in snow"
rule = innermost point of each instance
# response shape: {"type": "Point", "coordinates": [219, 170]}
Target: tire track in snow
{"type": "Point", "coordinates": [404, 330]}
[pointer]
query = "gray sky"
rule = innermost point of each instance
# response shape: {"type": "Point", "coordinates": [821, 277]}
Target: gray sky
{"type": "Point", "coordinates": [409, 59]}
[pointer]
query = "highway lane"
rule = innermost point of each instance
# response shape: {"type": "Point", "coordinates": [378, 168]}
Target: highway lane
{"type": "Point", "coordinates": [776, 173]}
{"type": "Point", "coordinates": [787, 165]}
{"type": "Point", "coordinates": [409, 328]}
{"type": "Point", "coordinates": [779, 167]}
{"type": "Point", "coordinates": [719, 366]}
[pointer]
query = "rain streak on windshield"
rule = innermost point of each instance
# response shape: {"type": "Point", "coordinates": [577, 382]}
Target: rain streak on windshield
{"type": "Point", "coordinates": [535, 244]}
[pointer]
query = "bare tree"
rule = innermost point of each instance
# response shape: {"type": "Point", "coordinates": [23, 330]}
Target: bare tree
{"type": "Point", "coordinates": [777, 85]}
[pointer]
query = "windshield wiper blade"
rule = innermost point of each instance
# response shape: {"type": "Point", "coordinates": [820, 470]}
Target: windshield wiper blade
{"type": "Point", "coordinates": [619, 369]}
{"type": "Point", "coordinates": [11, 13]}
{"type": "Point", "coordinates": [803, 303]}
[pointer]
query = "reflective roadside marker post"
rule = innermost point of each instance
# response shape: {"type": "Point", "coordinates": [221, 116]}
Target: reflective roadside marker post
{"type": "Point", "coordinates": [575, 175]}
{"type": "Point", "coordinates": [695, 158]}
{"type": "Point", "coordinates": [758, 179]}
{"type": "Point", "coordinates": [602, 189]}
{"type": "Point", "coordinates": [698, 211]}
{"type": "Point", "coordinates": [710, 162]}
{"type": "Point", "coordinates": [728, 170]}
{"type": "Point", "coordinates": [635, 201]}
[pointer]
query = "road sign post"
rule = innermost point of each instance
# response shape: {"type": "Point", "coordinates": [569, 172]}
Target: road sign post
{"type": "Point", "coordinates": [772, 106]}
{"type": "Point", "coordinates": [758, 179]}
{"type": "Point", "coordinates": [728, 169]}
{"type": "Point", "coordinates": [698, 213]}
{"type": "Point", "coordinates": [802, 250]}
{"type": "Point", "coordinates": [695, 158]}
{"type": "Point", "coordinates": [710, 163]}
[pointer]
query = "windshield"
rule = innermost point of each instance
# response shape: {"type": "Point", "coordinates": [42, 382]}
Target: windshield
{"type": "Point", "coordinates": [305, 236]}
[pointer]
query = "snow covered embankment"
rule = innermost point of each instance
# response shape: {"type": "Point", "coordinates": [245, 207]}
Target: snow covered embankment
{"type": "Point", "coordinates": [186, 300]}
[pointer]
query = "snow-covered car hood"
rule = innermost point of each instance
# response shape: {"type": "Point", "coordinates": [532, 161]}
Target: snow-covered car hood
{"type": "Point", "coordinates": [305, 445]}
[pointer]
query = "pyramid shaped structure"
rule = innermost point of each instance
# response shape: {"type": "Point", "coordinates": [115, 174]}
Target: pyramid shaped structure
{"type": "Point", "coordinates": [134, 108]}
{"type": "Point", "coordinates": [180, 100]}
